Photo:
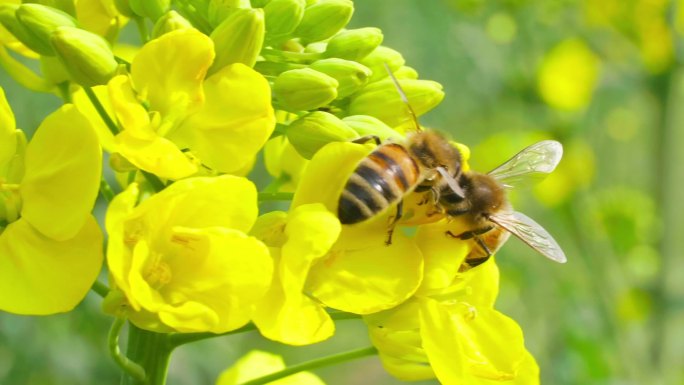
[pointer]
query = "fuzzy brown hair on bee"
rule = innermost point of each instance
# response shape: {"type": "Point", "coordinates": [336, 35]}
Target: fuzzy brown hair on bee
{"type": "Point", "coordinates": [394, 169]}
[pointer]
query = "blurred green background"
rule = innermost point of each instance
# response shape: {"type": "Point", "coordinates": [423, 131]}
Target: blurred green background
{"type": "Point", "coordinates": [605, 78]}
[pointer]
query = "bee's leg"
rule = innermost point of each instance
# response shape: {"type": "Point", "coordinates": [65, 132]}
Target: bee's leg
{"type": "Point", "coordinates": [470, 234]}
{"type": "Point", "coordinates": [367, 138]}
{"type": "Point", "coordinates": [393, 223]}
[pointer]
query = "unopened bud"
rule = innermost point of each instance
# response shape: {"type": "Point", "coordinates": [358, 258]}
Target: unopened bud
{"type": "Point", "coordinates": [382, 100]}
{"type": "Point", "coordinates": [377, 59]}
{"type": "Point", "coordinates": [350, 75]}
{"type": "Point", "coordinates": [171, 21]}
{"type": "Point", "coordinates": [39, 22]}
{"type": "Point", "coordinates": [304, 89]}
{"type": "Point", "coordinates": [354, 44]}
{"type": "Point", "coordinates": [282, 17]}
{"type": "Point", "coordinates": [324, 19]}
{"type": "Point", "coordinates": [316, 129]}
{"type": "Point", "coordinates": [239, 38]}
{"type": "Point", "coordinates": [365, 125]}
{"type": "Point", "coordinates": [219, 10]}
{"type": "Point", "coordinates": [86, 56]}
{"type": "Point", "coordinates": [124, 7]}
{"type": "Point", "coordinates": [9, 20]}
{"type": "Point", "coordinates": [152, 9]}
{"type": "Point", "coordinates": [405, 72]}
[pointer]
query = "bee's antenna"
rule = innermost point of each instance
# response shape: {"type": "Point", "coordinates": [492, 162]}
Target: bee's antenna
{"type": "Point", "coordinates": [402, 94]}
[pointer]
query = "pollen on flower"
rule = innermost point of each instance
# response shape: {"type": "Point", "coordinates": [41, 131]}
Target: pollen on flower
{"type": "Point", "coordinates": [158, 273]}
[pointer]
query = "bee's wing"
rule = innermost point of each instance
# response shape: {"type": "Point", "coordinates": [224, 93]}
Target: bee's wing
{"type": "Point", "coordinates": [530, 232]}
{"type": "Point", "coordinates": [539, 158]}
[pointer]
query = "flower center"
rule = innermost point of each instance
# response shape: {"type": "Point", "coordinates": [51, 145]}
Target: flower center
{"type": "Point", "coordinates": [159, 273]}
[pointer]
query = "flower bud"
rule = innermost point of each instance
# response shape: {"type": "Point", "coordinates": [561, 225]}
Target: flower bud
{"type": "Point", "coordinates": [324, 19]}
{"type": "Point", "coordinates": [152, 9]}
{"type": "Point", "coordinates": [365, 125]}
{"type": "Point", "coordinates": [86, 56]}
{"type": "Point", "coordinates": [304, 89]}
{"type": "Point", "coordinates": [171, 21]}
{"type": "Point", "coordinates": [239, 38]}
{"type": "Point", "coordinates": [9, 20]}
{"type": "Point", "coordinates": [350, 75]}
{"type": "Point", "coordinates": [381, 99]}
{"type": "Point", "coordinates": [282, 17]}
{"type": "Point", "coordinates": [354, 44]}
{"type": "Point", "coordinates": [124, 7]}
{"type": "Point", "coordinates": [38, 22]}
{"type": "Point", "coordinates": [405, 72]}
{"type": "Point", "coordinates": [377, 59]}
{"type": "Point", "coordinates": [316, 129]}
{"type": "Point", "coordinates": [219, 10]}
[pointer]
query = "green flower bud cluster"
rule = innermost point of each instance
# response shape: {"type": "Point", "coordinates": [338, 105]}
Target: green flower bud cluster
{"type": "Point", "coordinates": [50, 32]}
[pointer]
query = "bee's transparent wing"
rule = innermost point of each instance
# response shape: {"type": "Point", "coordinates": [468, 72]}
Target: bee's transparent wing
{"type": "Point", "coordinates": [530, 232]}
{"type": "Point", "coordinates": [538, 159]}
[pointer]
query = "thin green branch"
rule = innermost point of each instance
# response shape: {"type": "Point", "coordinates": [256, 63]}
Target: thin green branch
{"type": "Point", "coordinates": [153, 180]}
{"type": "Point", "coordinates": [134, 370]}
{"type": "Point", "coordinates": [275, 196]}
{"type": "Point", "coordinates": [314, 364]}
{"type": "Point", "coordinates": [101, 111]}
{"type": "Point", "coordinates": [100, 288]}
{"type": "Point", "coordinates": [106, 190]}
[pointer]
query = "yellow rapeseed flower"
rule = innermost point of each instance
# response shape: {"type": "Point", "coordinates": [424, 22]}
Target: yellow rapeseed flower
{"type": "Point", "coordinates": [50, 244]}
{"type": "Point", "coordinates": [166, 106]}
{"type": "Point", "coordinates": [182, 261]}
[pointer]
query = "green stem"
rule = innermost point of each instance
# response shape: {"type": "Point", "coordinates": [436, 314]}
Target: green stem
{"type": "Point", "coordinates": [142, 29]}
{"type": "Point", "coordinates": [106, 190]}
{"type": "Point", "coordinates": [131, 368]}
{"type": "Point", "coordinates": [290, 56]}
{"type": "Point", "coordinates": [22, 75]}
{"type": "Point", "coordinates": [153, 180]}
{"type": "Point", "coordinates": [101, 111]}
{"type": "Point", "coordinates": [275, 196]}
{"type": "Point", "coordinates": [150, 350]}
{"type": "Point", "coordinates": [100, 288]}
{"type": "Point", "coordinates": [314, 364]}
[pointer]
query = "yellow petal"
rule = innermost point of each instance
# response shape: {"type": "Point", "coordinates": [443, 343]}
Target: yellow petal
{"type": "Point", "coordinates": [443, 255]}
{"type": "Point", "coordinates": [370, 278]}
{"type": "Point", "coordinates": [158, 156]}
{"type": "Point", "coordinates": [63, 168]}
{"type": "Point", "coordinates": [118, 254]}
{"type": "Point", "coordinates": [8, 143]}
{"type": "Point", "coordinates": [234, 122]}
{"type": "Point", "coordinates": [296, 320]}
{"type": "Point", "coordinates": [442, 343]}
{"type": "Point", "coordinates": [168, 71]}
{"type": "Point", "coordinates": [132, 116]}
{"type": "Point", "coordinates": [258, 364]}
{"type": "Point", "coordinates": [39, 275]}
{"type": "Point", "coordinates": [223, 270]}
{"type": "Point", "coordinates": [85, 106]}
{"type": "Point", "coordinates": [100, 17]}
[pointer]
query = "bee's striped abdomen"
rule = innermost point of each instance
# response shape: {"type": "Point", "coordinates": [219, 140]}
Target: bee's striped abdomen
{"type": "Point", "coordinates": [381, 179]}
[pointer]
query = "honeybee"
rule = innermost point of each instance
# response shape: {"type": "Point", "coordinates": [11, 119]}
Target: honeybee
{"type": "Point", "coordinates": [395, 169]}
{"type": "Point", "coordinates": [489, 215]}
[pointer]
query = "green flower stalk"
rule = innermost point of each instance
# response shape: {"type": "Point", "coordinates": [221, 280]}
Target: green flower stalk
{"type": "Point", "coordinates": [304, 89]}
{"type": "Point", "coordinates": [350, 75]}
{"type": "Point", "coordinates": [283, 17]}
{"type": "Point", "coordinates": [354, 44]}
{"type": "Point", "coordinates": [86, 56]}
{"type": "Point", "coordinates": [239, 38]}
{"type": "Point", "coordinates": [171, 21]}
{"type": "Point", "coordinates": [314, 130]}
{"type": "Point", "coordinates": [38, 23]}
{"type": "Point", "coordinates": [323, 19]}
